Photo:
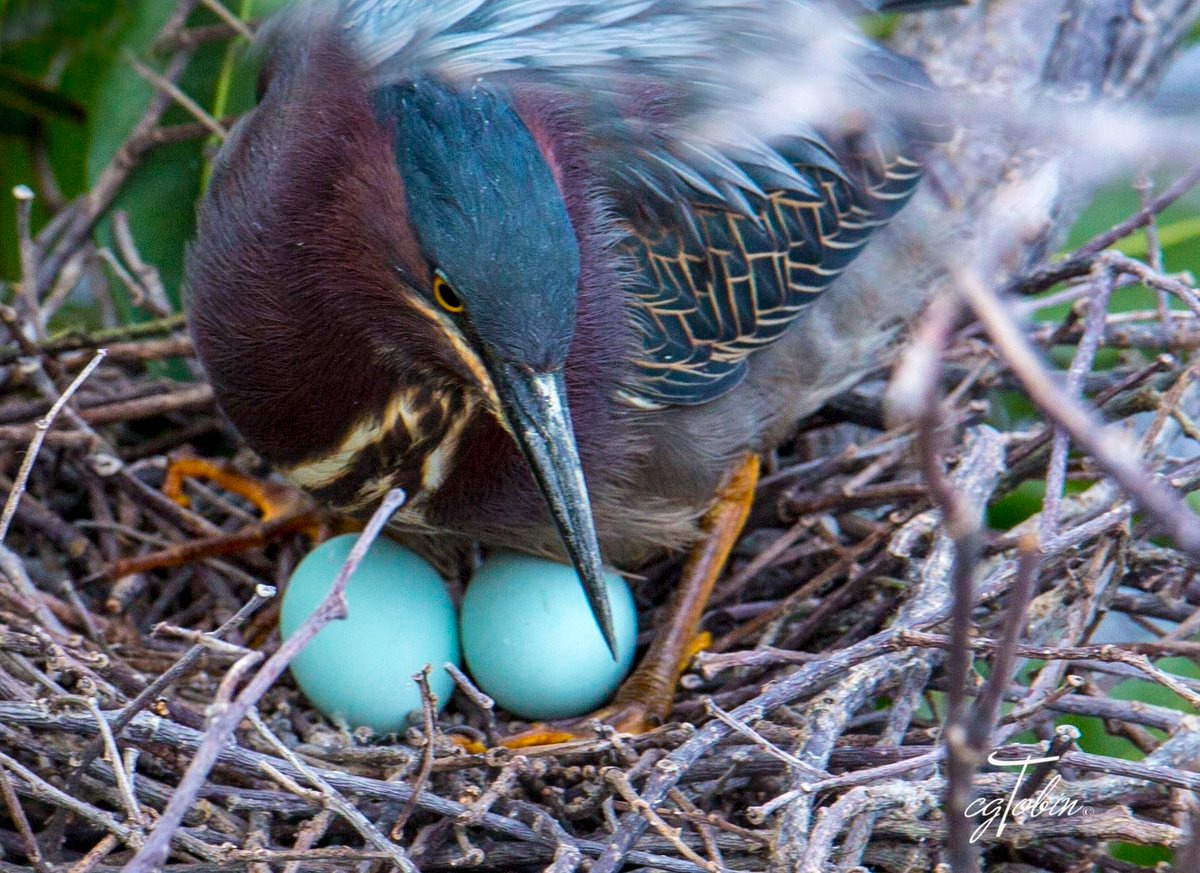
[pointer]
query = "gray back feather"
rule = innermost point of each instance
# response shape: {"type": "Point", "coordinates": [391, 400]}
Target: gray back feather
{"type": "Point", "coordinates": [678, 96]}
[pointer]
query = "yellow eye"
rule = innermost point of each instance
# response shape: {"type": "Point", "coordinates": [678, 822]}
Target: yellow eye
{"type": "Point", "coordinates": [445, 295]}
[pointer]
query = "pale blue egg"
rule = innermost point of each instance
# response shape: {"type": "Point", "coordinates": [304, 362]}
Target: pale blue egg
{"type": "Point", "coordinates": [531, 642]}
{"type": "Point", "coordinates": [400, 619]}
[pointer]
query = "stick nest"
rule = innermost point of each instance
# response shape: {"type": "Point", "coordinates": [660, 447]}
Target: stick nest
{"type": "Point", "coordinates": [893, 616]}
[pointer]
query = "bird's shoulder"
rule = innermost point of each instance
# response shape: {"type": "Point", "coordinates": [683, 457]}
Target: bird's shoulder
{"type": "Point", "coordinates": [749, 148]}
{"type": "Point", "coordinates": [716, 279]}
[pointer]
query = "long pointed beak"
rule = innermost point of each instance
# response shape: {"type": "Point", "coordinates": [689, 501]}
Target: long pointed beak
{"type": "Point", "coordinates": [536, 407]}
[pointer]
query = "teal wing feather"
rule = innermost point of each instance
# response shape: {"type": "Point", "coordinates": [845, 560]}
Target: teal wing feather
{"type": "Point", "coordinates": [739, 211]}
{"type": "Point", "coordinates": [718, 281]}
{"type": "Point", "coordinates": [672, 97]}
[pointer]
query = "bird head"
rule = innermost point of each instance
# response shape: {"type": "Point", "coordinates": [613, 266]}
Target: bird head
{"type": "Point", "coordinates": [358, 242]}
{"type": "Point", "coordinates": [503, 259]}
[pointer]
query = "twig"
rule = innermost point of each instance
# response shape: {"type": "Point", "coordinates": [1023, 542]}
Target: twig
{"type": "Point", "coordinates": [987, 704]}
{"type": "Point", "coordinates": [27, 292]}
{"type": "Point", "coordinates": [17, 813]}
{"type": "Point", "coordinates": [1111, 451]}
{"type": "Point", "coordinates": [1081, 365]}
{"type": "Point", "coordinates": [770, 748]}
{"type": "Point", "coordinates": [232, 21]}
{"type": "Point", "coordinates": [133, 810]}
{"type": "Point", "coordinates": [35, 444]}
{"type": "Point", "coordinates": [618, 780]}
{"type": "Point", "coordinates": [429, 715]}
{"type": "Point", "coordinates": [164, 83]}
{"type": "Point", "coordinates": [224, 722]}
{"type": "Point", "coordinates": [481, 701]}
{"type": "Point", "coordinates": [335, 800]}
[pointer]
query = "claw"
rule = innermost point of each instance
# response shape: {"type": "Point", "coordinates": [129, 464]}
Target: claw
{"type": "Point", "coordinates": [643, 702]}
{"type": "Point", "coordinates": [631, 718]}
{"type": "Point", "coordinates": [285, 511]}
{"type": "Point", "coordinates": [273, 499]}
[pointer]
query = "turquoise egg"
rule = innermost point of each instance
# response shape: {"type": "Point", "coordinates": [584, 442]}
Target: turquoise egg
{"type": "Point", "coordinates": [400, 618]}
{"type": "Point", "coordinates": [531, 642]}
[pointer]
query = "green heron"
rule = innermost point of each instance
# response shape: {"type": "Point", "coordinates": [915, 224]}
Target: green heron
{"type": "Point", "coordinates": [536, 262]}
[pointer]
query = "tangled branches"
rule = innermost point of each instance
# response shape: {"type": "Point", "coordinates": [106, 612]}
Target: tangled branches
{"type": "Point", "coordinates": [842, 718]}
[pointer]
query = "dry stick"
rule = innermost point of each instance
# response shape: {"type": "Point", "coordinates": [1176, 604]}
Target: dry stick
{"type": "Point", "coordinates": [967, 732]}
{"type": "Point", "coordinates": [76, 341]}
{"type": "Point", "coordinates": [334, 800]}
{"type": "Point", "coordinates": [162, 83]}
{"type": "Point", "coordinates": [27, 295]}
{"type": "Point", "coordinates": [154, 732]}
{"type": "Point", "coordinates": [308, 836]}
{"type": "Point", "coordinates": [35, 444]}
{"type": "Point", "coordinates": [617, 778]}
{"type": "Point", "coordinates": [137, 296]}
{"type": "Point", "coordinates": [1081, 364]}
{"type": "Point", "coordinates": [807, 681]}
{"type": "Point", "coordinates": [762, 742]}
{"type": "Point", "coordinates": [810, 679]}
{"type": "Point", "coordinates": [1106, 653]}
{"type": "Point", "coordinates": [566, 859]}
{"type": "Point", "coordinates": [133, 811]}
{"type": "Point", "coordinates": [1110, 450]}
{"type": "Point", "coordinates": [9, 564]}
{"type": "Point", "coordinates": [1144, 185]}
{"type": "Point", "coordinates": [482, 702]}
{"type": "Point", "coordinates": [1143, 217]}
{"type": "Point", "coordinates": [33, 852]}
{"type": "Point", "coordinates": [428, 711]}
{"type": "Point", "coordinates": [1187, 858]}
{"type": "Point", "coordinates": [500, 787]}
{"type": "Point", "coordinates": [232, 21]}
{"type": "Point", "coordinates": [905, 703]}
{"type": "Point", "coordinates": [87, 211]}
{"type": "Point", "coordinates": [1080, 261]}
{"type": "Point", "coordinates": [262, 594]}
{"type": "Point", "coordinates": [105, 847]}
{"type": "Point", "coordinates": [147, 275]}
{"type": "Point", "coordinates": [226, 720]}
{"type": "Point", "coordinates": [43, 790]}
{"type": "Point", "coordinates": [834, 818]}
{"type": "Point", "coordinates": [759, 814]}
{"type": "Point", "coordinates": [987, 704]}
{"type": "Point", "coordinates": [12, 568]}
{"type": "Point", "coordinates": [964, 528]}
{"type": "Point", "coordinates": [66, 282]}
{"type": "Point", "coordinates": [914, 394]}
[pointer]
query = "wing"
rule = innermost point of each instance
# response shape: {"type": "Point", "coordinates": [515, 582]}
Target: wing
{"type": "Point", "coordinates": [672, 96]}
{"type": "Point", "coordinates": [722, 278]}
{"type": "Point", "coordinates": [730, 134]}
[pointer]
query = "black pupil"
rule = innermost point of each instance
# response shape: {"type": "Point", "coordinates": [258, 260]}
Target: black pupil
{"type": "Point", "coordinates": [449, 298]}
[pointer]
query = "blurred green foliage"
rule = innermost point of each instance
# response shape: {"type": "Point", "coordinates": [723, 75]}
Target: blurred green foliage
{"type": "Point", "coordinates": [68, 92]}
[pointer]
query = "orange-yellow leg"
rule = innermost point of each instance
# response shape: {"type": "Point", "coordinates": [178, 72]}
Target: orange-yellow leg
{"type": "Point", "coordinates": [644, 700]}
{"type": "Point", "coordinates": [285, 510]}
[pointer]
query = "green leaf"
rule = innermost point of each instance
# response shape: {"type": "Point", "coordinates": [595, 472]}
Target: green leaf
{"type": "Point", "coordinates": [161, 191]}
{"type": "Point", "coordinates": [52, 52]}
{"type": "Point", "coordinates": [25, 103]}
{"type": "Point", "coordinates": [53, 21]}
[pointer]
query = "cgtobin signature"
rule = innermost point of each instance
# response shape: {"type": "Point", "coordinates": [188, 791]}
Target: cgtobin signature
{"type": "Point", "coordinates": [998, 810]}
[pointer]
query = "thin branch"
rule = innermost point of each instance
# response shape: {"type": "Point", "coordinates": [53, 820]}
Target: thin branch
{"type": "Point", "coordinates": [225, 721]}
{"type": "Point", "coordinates": [35, 444]}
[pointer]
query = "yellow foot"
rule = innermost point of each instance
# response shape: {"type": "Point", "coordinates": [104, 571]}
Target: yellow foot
{"type": "Point", "coordinates": [643, 701]}
{"type": "Point", "coordinates": [285, 511]}
{"type": "Point", "coordinates": [623, 718]}
{"type": "Point", "coordinates": [274, 500]}
{"type": "Point", "coordinates": [641, 704]}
